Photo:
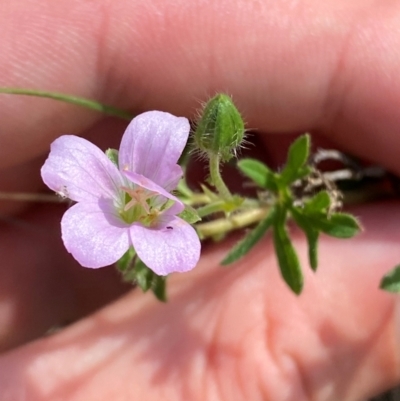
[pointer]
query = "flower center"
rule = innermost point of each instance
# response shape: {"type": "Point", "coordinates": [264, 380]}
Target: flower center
{"type": "Point", "coordinates": [138, 206]}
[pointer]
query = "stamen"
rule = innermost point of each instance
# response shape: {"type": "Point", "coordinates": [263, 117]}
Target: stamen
{"type": "Point", "coordinates": [138, 196]}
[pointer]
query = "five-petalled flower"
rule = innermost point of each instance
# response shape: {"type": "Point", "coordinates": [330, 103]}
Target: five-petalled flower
{"type": "Point", "coordinates": [126, 205]}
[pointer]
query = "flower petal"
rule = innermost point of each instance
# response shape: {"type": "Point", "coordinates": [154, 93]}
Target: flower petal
{"type": "Point", "coordinates": [93, 234]}
{"type": "Point", "coordinates": [152, 145]}
{"type": "Point", "coordinates": [176, 248]}
{"type": "Point", "coordinates": [79, 170]}
{"type": "Point", "coordinates": [144, 182]}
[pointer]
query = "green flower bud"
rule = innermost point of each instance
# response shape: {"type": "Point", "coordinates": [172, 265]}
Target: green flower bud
{"type": "Point", "coordinates": [220, 130]}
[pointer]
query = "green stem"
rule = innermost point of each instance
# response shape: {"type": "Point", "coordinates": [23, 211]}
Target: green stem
{"type": "Point", "coordinates": [79, 101]}
{"type": "Point", "coordinates": [211, 208]}
{"type": "Point", "coordinates": [234, 222]}
{"type": "Point", "coordinates": [216, 178]}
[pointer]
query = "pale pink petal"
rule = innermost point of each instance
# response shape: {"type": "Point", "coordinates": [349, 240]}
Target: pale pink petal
{"type": "Point", "coordinates": [152, 145]}
{"type": "Point", "coordinates": [80, 171]}
{"type": "Point", "coordinates": [176, 248]}
{"type": "Point", "coordinates": [170, 182]}
{"type": "Point", "coordinates": [144, 182]}
{"type": "Point", "coordinates": [94, 235]}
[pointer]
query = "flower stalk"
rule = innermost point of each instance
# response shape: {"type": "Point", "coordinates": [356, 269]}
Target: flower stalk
{"type": "Point", "coordinates": [216, 178]}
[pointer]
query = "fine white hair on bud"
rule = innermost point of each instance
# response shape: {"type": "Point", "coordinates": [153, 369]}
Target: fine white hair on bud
{"type": "Point", "coordinates": [220, 129]}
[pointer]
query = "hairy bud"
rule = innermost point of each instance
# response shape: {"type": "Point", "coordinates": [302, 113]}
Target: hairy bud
{"type": "Point", "coordinates": [220, 129]}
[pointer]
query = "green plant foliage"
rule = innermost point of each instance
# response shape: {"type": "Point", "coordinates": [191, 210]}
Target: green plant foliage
{"type": "Point", "coordinates": [318, 203]}
{"type": "Point", "coordinates": [133, 270]}
{"type": "Point", "coordinates": [146, 279]}
{"type": "Point", "coordinates": [312, 236]}
{"type": "Point", "coordinates": [339, 225]}
{"type": "Point", "coordinates": [190, 215]}
{"type": "Point", "coordinates": [125, 262]}
{"type": "Point", "coordinates": [391, 280]}
{"type": "Point", "coordinates": [112, 154]}
{"type": "Point", "coordinates": [143, 275]}
{"type": "Point", "coordinates": [258, 172]}
{"type": "Point", "coordinates": [250, 240]}
{"type": "Point", "coordinates": [287, 257]}
{"type": "Point", "coordinates": [297, 157]}
{"type": "Point", "coordinates": [159, 288]}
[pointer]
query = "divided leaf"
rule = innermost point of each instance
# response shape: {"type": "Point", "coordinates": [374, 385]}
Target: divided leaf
{"type": "Point", "coordinates": [287, 257]}
{"type": "Point", "coordinates": [391, 280]}
{"type": "Point", "coordinates": [258, 172]}
{"type": "Point", "coordinates": [250, 240]}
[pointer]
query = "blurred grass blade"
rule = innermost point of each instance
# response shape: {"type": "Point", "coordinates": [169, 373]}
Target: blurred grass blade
{"type": "Point", "coordinates": [287, 257]}
{"type": "Point", "coordinates": [250, 240]}
{"type": "Point", "coordinates": [391, 280]}
{"type": "Point", "coordinates": [78, 101]}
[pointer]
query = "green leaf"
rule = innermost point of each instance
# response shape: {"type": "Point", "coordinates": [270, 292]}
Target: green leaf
{"type": "Point", "coordinates": [147, 279]}
{"type": "Point", "coordinates": [125, 262]}
{"type": "Point", "coordinates": [391, 280]}
{"type": "Point", "coordinates": [251, 239]}
{"type": "Point", "coordinates": [143, 275]}
{"type": "Point", "coordinates": [312, 240]}
{"type": "Point", "coordinates": [318, 203]}
{"type": "Point", "coordinates": [297, 157]}
{"type": "Point", "coordinates": [159, 287]}
{"type": "Point", "coordinates": [312, 236]}
{"type": "Point", "coordinates": [287, 257]}
{"type": "Point", "coordinates": [339, 225]}
{"type": "Point", "coordinates": [258, 172]}
{"type": "Point", "coordinates": [190, 215]}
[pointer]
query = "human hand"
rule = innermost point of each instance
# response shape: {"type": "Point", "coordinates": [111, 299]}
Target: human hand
{"type": "Point", "coordinates": [225, 334]}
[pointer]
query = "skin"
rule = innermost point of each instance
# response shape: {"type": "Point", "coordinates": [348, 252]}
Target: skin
{"type": "Point", "coordinates": [226, 334]}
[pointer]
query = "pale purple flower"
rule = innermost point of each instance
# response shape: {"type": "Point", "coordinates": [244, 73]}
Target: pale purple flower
{"type": "Point", "coordinates": [127, 206]}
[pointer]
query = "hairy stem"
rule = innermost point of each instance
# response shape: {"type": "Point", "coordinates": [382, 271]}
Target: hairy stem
{"type": "Point", "coordinates": [216, 178]}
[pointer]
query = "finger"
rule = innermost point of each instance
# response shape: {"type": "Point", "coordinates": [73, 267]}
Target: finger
{"type": "Point", "coordinates": [323, 66]}
{"type": "Point", "coordinates": [233, 334]}
{"type": "Point", "coordinates": [41, 286]}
